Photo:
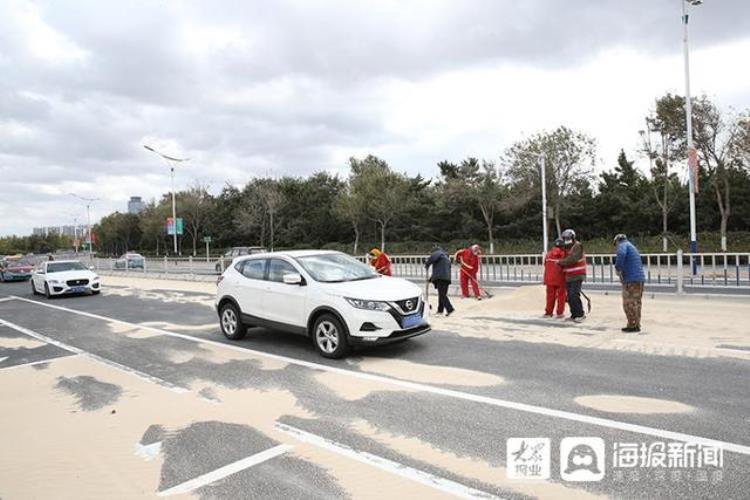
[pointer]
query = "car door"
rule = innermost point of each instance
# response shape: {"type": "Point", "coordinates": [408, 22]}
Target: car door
{"type": "Point", "coordinates": [250, 286]}
{"type": "Point", "coordinates": [284, 303]}
{"type": "Point", "coordinates": [39, 277]}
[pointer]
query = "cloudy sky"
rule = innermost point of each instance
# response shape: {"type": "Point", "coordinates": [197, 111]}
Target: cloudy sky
{"type": "Point", "coordinates": [247, 88]}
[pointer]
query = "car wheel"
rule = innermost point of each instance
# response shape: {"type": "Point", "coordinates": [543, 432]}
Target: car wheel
{"type": "Point", "coordinates": [231, 322]}
{"type": "Point", "coordinates": [330, 337]}
{"type": "Point", "coordinates": [46, 291]}
{"type": "Point", "coordinates": [95, 292]}
{"type": "Point", "coordinates": [33, 288]}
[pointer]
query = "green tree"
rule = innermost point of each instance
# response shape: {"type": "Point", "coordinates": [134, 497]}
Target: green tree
{"type": "Point", "coordinates": [383, 192]}
{"type": "Point", "coordinates": [195, 208]}
{"type": "Point", "coordinates": [569, 159]}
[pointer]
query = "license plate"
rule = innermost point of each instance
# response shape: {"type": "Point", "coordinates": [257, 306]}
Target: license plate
{"type": "Point", "coordinates": [78, 289]}
{"type": "Point", "coordinates": [411, 321]}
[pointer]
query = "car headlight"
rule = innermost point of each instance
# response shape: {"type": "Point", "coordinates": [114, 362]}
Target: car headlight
{"type": "Point", "coordinates": [369, 305]}
{"type": "Point", "coordinates": [95, 278]}
{"type": "Point", "coordinates": [55, 282]}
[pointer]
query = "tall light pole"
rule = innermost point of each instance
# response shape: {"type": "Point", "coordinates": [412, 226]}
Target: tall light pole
{"type": "Point", "coordinates": [543, 169]}
{"type": "Point", "coordinates": [88, 202]}
{"type": "Point", "coordinates": [171, 160]}
{"type": "Point", "coordinates": [692, 154]}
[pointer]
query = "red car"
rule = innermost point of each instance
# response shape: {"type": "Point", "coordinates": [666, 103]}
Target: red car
{"type": "Point", "coordinates": [15, 270]}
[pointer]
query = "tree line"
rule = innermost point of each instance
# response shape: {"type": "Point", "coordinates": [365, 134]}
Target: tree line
{"type": "Point", "coordinates": [474, 200]}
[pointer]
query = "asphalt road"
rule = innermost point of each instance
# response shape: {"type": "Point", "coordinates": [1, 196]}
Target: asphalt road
{"type": "Point", "coordinates": [532, 396]}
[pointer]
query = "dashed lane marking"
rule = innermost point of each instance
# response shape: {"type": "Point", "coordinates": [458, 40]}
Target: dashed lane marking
{"type": "Point", "coordinates": [225, 471]}
{"type": "Point", "coordinates": [431, 480]}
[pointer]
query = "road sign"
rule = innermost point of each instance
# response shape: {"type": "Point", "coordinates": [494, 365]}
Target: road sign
{"type": "Point", "coordinates": [171, 226]}
{"type": "Point", "coordinates": [207, 239]}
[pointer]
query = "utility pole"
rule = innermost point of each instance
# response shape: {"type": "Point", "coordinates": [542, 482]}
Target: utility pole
{"type": "Point", "coordinates": [544, 203]}
{"type": "Point", "coordinates": [171, 160]}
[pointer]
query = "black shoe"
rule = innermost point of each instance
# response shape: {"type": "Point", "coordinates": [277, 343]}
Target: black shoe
{"type": "Point", "coordinates": [631, 329]}
{"type": "Point", "coordinates": [448, 313]}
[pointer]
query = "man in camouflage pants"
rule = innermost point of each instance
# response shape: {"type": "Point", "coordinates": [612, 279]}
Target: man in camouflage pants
{"type": "Point", "coordinates": [630, 270]}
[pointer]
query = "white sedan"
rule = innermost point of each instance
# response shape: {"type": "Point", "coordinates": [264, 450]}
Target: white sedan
{"type": "Point", "coordinates": [64, 277]}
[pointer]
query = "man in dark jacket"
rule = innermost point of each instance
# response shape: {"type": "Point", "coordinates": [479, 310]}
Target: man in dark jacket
{"type": "Point", "coordinates": [574, 267]}
{"type": "Point", "coordinates": [630, 270]}
{"type": "Point", "coordinates": [441, 278]}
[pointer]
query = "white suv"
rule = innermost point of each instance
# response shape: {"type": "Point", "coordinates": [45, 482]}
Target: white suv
{"type": "Point", "coordinates": [329, 296]}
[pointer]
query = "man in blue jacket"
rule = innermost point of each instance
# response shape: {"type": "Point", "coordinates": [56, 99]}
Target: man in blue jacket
{"type": "Point", "coordinates": [441, 278]}
{"type": "Point", "coordinates": [630, 270]}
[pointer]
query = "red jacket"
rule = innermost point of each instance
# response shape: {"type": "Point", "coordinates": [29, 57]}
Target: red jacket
{"type": "Point", "coordinates": [382, 264]}
{"type": "Point", "coordinates": [468, 261]}
{"type": "Point", "coordinates": [553, 274]}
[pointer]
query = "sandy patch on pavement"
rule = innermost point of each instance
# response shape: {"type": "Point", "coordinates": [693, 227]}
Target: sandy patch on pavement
{"type": "Point", "coordinates": [165, 325]}
{"type": "Point", "coordinates": [632, 404]}
{"type": "Point", "coordinates": [467, 467]}
{"type": "Point", "coordinates": [131, 331]}
{"type": "Point", "coordinates": [672, 325]}
{"type": "Point", "coordinates": [426, 374]}
{"type": "Point", "coordinates": [60, 452]}
{"type": "Point", "coordinates": [352, 389]}
{"type": "Point", "coordinates": [364, 481]}
{"type": "Point", "coordinates": [167, 296]}
{"type": "Point", "coordinates": [20, 343]}
{"type": "Point", "coordinates": [159, 284]}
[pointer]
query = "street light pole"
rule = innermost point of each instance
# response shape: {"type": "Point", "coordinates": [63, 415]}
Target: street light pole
{"type": "Point", "coordinates": [171, 160]}
{"type": "Point", "coordinates": [544, 203]}
{"type": "Point", "coordinates": [692, 158]}
{"type": "Point", "coordinates": [88, 202]}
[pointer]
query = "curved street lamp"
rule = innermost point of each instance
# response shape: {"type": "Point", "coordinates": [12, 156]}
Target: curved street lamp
{"type": "Point", "coordinates": [171, 160]}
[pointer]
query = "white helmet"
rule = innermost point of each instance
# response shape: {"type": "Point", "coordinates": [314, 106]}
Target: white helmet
{"type": "Point", "coordinates": [568, 234]}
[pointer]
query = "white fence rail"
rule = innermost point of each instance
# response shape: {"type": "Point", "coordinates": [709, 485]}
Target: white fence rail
{"type": "Point", "coordinates": [676, 270]}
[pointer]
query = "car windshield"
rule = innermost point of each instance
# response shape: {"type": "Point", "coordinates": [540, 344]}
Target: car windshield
{"type": "Point", "coordinates": [58, 267]}
{"type": "Point", "coordinates": [335, 268]}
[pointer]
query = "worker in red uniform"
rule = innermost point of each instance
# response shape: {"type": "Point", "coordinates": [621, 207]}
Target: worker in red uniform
{"type": "Point", "coordinates": [554, 279]}
{"type": "Point", "coordinates": [380, 261]}
{"type": "Point", "coordinates": [468, 259]}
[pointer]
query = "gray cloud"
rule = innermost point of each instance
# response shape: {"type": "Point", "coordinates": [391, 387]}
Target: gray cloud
{"type": "Point", "coordinates": [266, 86]}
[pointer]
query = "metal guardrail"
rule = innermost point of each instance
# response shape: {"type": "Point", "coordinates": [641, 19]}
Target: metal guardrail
{"type": "Point", "coordinates": [678, 270]}
{"type": "Point", "coordinates": [668, 270]}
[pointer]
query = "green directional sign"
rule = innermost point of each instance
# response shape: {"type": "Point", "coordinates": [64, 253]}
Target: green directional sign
{"type": "Point", "coordinates": [207, 239]}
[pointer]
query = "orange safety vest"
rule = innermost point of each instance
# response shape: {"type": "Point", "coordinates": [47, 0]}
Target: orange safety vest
{"type": "Point", "coordinates": [576, 269]}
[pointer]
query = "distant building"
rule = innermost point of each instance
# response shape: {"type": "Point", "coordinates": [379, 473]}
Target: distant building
{"type": "Point", "coordinates": [71, 231]}
{"type": "Point", "coordinates": [135, 205]}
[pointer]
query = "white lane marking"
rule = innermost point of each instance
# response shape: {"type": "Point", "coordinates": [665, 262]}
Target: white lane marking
{"type": "Point", "coordinates": [41, 361]}
{"type": "Point", "coordinates": [4, 299]}
{"type": "Point", "coordinates": [466, 396]}
{"type": "Point", "coordinates": [431, 480]}
{"type": "Point", "coordinates": [97, 358]}
{"type": "Point", "coordinates": [148, 452]}
{"type": "Point", "coordinates": [3, 358]}
{"type": "Point", "coordinates": [225, 471]}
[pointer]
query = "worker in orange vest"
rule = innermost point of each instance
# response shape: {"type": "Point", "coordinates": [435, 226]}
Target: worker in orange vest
{"type": "Point", "coordinates": [468, 259]}
{"type": "Point", "coordinates": [380, 261]}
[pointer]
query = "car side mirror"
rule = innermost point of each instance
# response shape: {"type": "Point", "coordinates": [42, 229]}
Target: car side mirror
{"type": "Point", "coordinates": [92, 268]}
{"type": "Point", "coordinates": [293, 279]}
